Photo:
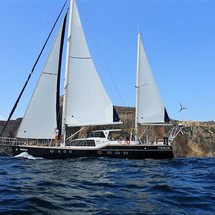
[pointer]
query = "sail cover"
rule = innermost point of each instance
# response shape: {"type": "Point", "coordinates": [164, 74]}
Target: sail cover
{"type": "Point", "coordinates": [149, 102]}
{"type": "Point", "coordinates": [86, 101]}
{"type": "Point", "coordinates": [40, 118]}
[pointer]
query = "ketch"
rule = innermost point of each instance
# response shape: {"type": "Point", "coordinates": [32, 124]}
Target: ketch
{"type": "Point", "coordinates": [86, 103]}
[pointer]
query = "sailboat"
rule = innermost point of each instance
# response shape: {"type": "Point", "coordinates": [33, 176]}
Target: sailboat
{"type": "Point", "coordinates": [85, 103]}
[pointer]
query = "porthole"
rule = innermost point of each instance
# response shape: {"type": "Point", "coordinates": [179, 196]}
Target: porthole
{"type": "Point", "coordinates": [109, 152]}
{"type": "Point", "coordinates": [99, 152]}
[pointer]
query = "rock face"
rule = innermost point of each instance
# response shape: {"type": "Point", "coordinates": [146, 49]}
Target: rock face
{"type": "Point", "coordinates": [196, 140]}
{"type": "Point", "coordinates": [11, 129]}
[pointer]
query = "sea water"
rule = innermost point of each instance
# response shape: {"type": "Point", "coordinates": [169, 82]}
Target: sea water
{"type": "Point", "coordinates": [107, 186]}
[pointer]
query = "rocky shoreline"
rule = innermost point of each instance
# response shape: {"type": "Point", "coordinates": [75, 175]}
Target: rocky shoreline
{"type": "Point", "coordinates": [196, 140]}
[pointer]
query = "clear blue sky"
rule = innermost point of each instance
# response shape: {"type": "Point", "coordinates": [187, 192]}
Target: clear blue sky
{"type": "Point", "coordinates": [178, 35]}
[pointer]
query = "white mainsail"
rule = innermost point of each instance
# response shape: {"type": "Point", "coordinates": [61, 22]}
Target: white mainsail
{"type": "Point", "coordinates": [85, 99]}
{"type": "Point", "coordinates": [149, 105]}
{"type": "Point", "coordinates": [40, 120]}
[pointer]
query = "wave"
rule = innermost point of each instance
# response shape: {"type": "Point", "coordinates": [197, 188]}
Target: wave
{"type": "Point", "coordinates": [28, 156]}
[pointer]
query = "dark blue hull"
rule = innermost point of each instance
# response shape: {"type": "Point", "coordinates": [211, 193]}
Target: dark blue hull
{"type": "Point", "coordinates": [133, 152]}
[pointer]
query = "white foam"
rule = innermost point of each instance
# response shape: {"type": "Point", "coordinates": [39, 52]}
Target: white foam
{"type": "Point", "coordinates": [26, 155]}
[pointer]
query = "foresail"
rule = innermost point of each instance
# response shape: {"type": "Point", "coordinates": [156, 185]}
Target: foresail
{"type": "Point", "coordinates": [149, 102]}
{"type": "Point", "coordinates": [85, 100]}
{"type": "Point", "coordinates": [40, 118]}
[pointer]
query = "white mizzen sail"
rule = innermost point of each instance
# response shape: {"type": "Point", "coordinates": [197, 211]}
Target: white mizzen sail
{"type": "Point", "coordinates": [40, 117]}
{"type": "Point", "coordinates": [149, 105]}
{"type": "Point", "coordinates": [85, 99]}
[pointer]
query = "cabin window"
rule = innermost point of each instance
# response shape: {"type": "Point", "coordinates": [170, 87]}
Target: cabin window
{"type": "Point", "coordinates": [96, 134]}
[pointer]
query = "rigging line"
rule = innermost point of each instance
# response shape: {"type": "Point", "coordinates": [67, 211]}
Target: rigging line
{"type": "Point", "coordinates": [124, 25]}
{"type": "Point", "coordinates": [32, 70]}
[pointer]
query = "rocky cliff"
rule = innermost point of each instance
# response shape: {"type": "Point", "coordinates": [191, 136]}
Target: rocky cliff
{"type": "Point", "coordinates": [196, 140]}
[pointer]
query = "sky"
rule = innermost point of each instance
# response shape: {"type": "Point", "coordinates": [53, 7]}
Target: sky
{"type": "Point", "coordinates": [178, 36]}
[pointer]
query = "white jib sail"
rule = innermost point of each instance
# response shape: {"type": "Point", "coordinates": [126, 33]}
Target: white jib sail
{"type": "Point", "coordinates": [86, 101]}
{"type": "Point", "coordinates": [150, 107]}
{"type": "Point", "coordinates": [39, 120]}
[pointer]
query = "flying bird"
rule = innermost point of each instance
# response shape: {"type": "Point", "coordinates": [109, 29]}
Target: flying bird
{"type": "Point", "coordinates": [181, 108]}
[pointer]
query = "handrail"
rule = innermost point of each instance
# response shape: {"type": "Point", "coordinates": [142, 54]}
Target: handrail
{"type": "Point", "coordinates": [10, 141]}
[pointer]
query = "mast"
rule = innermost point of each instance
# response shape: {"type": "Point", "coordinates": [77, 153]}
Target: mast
{"type": "Point", "coordinates": [137, 85]}
{"type": "Point", "coordinates": [66, 71]}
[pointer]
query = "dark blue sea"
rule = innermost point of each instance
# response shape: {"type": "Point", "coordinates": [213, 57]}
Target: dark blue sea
{"type": "Point", "coordinates": [107, 186]}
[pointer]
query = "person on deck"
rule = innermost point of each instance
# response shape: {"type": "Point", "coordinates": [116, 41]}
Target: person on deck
{"type": "Point", "coordinates": [56, 132]}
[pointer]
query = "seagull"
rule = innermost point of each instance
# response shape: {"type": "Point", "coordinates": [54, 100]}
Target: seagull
{"type": "Point", "coordinates": [181, 108]}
